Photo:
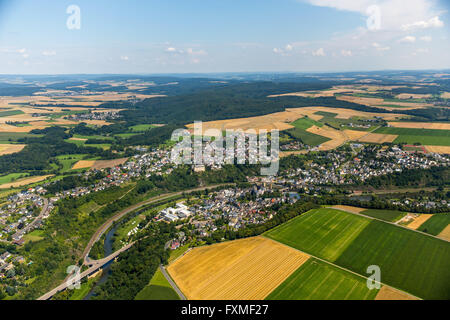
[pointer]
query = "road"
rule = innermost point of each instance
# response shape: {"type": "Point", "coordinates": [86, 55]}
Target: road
{"type": "Point", "coordinates": [100, 231]}
{"type": "Point", "coordinates": [31, 225]}
{"type": "Point", "coordinates": [94, 266]}
{"type": "Point", "coordinates": [172, 283]}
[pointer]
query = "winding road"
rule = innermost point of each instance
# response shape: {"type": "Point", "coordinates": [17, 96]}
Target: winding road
{"type": "Point", "coordinates": [94, 265]}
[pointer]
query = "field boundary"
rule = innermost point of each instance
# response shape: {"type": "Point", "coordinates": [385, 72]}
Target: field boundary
{"type": "Point", "coordinates": [394, 224]}
{"type": "Point", "coordinates": [342, 268]}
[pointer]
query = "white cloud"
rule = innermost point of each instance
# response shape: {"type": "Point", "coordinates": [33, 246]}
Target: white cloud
{"type": "Point", "coordinates": [48, 53]}
{"type": "Point", "coordinates": [420, 50]}
{"type": "Point", "coordinates": [319, 53]}
{"type": "Point", "coordinates": [408, 39]}
{"type": "Point", "coordinates": [346, 53]}
{"type": "Point", "coordinates": [426, 38]}
{"type": "Point", "coordinates": [124, 58]}
{"type": "Point", "coordinates": [379, 47]}
{"type": "Point", "coordinates": [289, 47]}
{"type": "Point", "coordinates": [394, 14]}
{"type": "Point", "coordinates": [434, 22]}
{"type": "Point", "coordinates": [191, 52]}
{"type": "Point", "coordinates": [171, 50]}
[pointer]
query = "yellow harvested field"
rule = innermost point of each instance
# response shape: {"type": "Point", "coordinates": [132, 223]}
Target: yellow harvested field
{"type": "Point", "coordinates": [421, 125]}
{"type": "Point", "coordinates": [77, 139]}
{"type": "Point", "coordinates": [438, 149]}
{"type": "Point", "coordinates": [379, 102]}
{"type": "Point", "coordinates": [337, 137]}
{"type": "Point", "coordinates": [417, 222]}
{"type": "Point", "coordinates": [378, 138]}
{"type": "Point", "coordinates": [355, 135]}
{"type": "Point", "coordinates": [275, 121]}
{"type": "Point", "coordinates": [247, 269]}
{"type": "Point", "coordinates": [281, 120]}
{"type": "Point", "coordinates": [412, 96]}
{"type": "Point", "coordinates": [445, 234]}
{"type": "Point", "coordinates": [104, 164]}
{"type": "Point", "coordinates": [445, 95]}
{"type": "Point", "coordinates": [388, 293]}
{"type": "Point", "coordinates": [24, 182]}
{"type": "Point", "coordinates": [83, 164]}
{"type": "Point", "coordinates": [10, 148]}
{"type": "Point", "coordinates": [349, 209]}
{"type": "Point", "coordinates": [346, 113]}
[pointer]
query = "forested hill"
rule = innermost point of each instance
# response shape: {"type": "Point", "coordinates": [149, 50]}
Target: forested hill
{"type": "Point", "coordinates": [231, 101]}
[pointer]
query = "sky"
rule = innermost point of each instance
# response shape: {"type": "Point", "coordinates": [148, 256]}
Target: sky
{"type": "Point", "coordinates": [203, 36]}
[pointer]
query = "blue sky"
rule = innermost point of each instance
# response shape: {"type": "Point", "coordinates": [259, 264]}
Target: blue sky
{"type": "Point", "coordinates": [177, 36]}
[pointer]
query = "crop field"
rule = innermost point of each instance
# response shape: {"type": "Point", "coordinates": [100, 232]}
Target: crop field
{"type": "Point", "coordinates": [10, 148]}
{"type": "Point", "coordinates": [377, 138]}
{"type": "Point", "coordinates": [336, 137]}
{"type": "Point", "coordinates": [104, 164]}
{"type": "Point", "coordinates": [83, 164]}
{"type": "Point", "coordinates": [438, 149]}
{"type": "Point", "coordinates": [436, 224]}
{"type": "Point", "coordinates": [306, 123]}
{"type": "Point", "coordinates": [308, 138]}
{"type": "Point", "coordinates": [386, 215]}
{"type": "Point", "coordinates": [421, 125]}
{"type": "Point", "coordinates": [248, 269]}
{"type": "Point", "coordinates": [10, 113]}
{"type": "Point", "coordinates": [419, 220]}
{"type": "Point", "coordinates": [24, 182]}
{"type": "Point", "coordinates": [388, 293]}
{"type": "Point", "coordinates": [317, 280]}
{"type": "Point", "coordinates": [12, 177]}
{"type": "Point", "coordinates": [423, 136]}
{"type": "Point", "coordinates": [142, 127]}
{"type": "Point", "coordinates": [348, 208]}
{"type": "Point", "coordinates": [158, 289]}
{"type": "Point", "coordinates": [410, 261]}
{"type": "Point", "coordinates": [317, 231]}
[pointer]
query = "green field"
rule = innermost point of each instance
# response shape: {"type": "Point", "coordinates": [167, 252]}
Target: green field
{"type": "Point", "coordinates": [435, 225]}
{"type": "Point", "coordinates": [386, 215]}
{"type": "Point", "coordinates": [317, 280]}
{"type": "Point", "coordinates": [12, 177]}
{"type": "Point", "coordinates": [35, 236]}
{"type": "Point", "coordinates": [158, 289]}
{"type": "Point", "coordinates": [410, 261]}
{"type": "Point", "coordinates": [10, 113]}
{"type": "Point", "coordinates": [9, 137]}
{"type": "Point", "coordinates": [142, 127]}
{"type": "Point", "coordinates": [325, 233]}
{"type": "Point", "coordinates": [67, 161]}
{"type": "Point", "coordinates": [423, 136]}
{"type": "Point", "coordinates": [306, 137]}
{"type": "Point", "coordinates": [306, 123]}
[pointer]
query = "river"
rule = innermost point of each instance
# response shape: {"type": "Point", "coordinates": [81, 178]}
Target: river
{"type": "Point", "coordinates": [107, 247]}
